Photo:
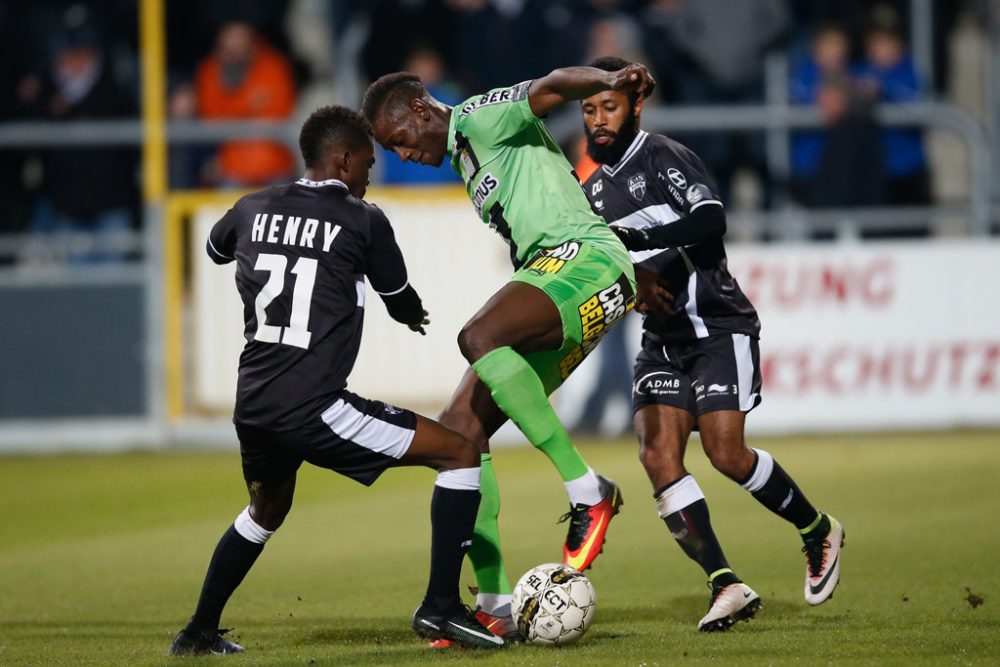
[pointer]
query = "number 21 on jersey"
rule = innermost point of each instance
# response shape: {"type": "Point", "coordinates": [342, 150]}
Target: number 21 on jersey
{"type": "Point", "coordinates": [297, 332]}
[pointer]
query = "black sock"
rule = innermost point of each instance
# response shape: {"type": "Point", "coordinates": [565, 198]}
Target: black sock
{"type": "Point", "coordinates": [778, 492]}
{"type": "Point", "coordinates": [692, 528]}
{"type": "Point", "coordinates": [233, 558]}
{"type": "Point", "coordinates": [453, 520]}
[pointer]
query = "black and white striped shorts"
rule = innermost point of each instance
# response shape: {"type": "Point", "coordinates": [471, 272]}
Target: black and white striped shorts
{"type": "Point", "coordinates": [356, 437]}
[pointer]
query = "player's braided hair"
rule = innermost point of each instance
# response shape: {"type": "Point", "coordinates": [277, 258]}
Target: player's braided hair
{"type": "Point", "coordinates": [391, 92]}
{"type": "Point", "coordinates": [332, 126]}
{"type": "Point", "coordinates": [613, 64]}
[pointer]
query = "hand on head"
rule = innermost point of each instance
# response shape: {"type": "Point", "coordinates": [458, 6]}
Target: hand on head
{"type": "Point", "coordinates": [634, 78]}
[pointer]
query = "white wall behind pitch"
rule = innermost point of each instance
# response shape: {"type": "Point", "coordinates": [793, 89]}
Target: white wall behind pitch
{"type": "Point", "coordinates": [855, 337]}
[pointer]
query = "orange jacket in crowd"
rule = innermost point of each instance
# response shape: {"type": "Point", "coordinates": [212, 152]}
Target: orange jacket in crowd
{"type": "Point", "coordinates": [267, 92]}
{"type": "Point", "coordinates": [584, 166]}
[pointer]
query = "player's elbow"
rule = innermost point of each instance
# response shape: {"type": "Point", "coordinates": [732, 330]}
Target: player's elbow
{"type": "Point", "coordinates": [714, 220]}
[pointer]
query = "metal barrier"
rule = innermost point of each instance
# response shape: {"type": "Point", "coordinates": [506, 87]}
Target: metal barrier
{"type": "Point", "coordinates": [782, 117]}
{"type": "Point", "coordinates": [771, 118]}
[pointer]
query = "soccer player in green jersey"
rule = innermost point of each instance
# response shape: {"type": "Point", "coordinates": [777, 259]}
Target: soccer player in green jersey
{"type": "Point", "coordinates": [573, 280]}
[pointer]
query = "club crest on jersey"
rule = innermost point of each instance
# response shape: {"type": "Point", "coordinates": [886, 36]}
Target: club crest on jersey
{"type": "Point", "coordinates": [637, 186]}
{"type": "Point", "coordinates": [677, 178]}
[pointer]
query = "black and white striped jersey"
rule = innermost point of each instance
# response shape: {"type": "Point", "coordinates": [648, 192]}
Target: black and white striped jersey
{"type": "Point", "coordinates": [302, 252]}
{"type": "Point", "coordinates": [656, 182]}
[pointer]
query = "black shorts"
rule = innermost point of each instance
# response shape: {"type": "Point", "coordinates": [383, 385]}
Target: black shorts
{"type": "Point", "coordinates": [356, 437]}
{"type": "Point", "coordinates": [716, 373]}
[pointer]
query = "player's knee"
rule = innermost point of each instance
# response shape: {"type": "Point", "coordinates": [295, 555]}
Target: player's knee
{"type": "Point", "coordinates": [269, 515]}
{"type": "Point", "coordinates": [474, 342]}
{"type": "Point", "coordinates": [469, 456]}
{"type": "Point", "coordinates": [251, 528]}
{"type": "Point", "coordinates": [657, 459]}
{"type": "Point", "coordinates": [647, 457]}
{"type": "Point", "coordinates": [732, 461]}
{"type": "Point", "coordinates": [460, 453]}
{"type": "Point", "coordinates": [466, 425]}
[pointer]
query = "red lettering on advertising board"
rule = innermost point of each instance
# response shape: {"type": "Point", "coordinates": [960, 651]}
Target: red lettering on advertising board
{"type": "Point", "coordinates": [792, 286]}
{"type": "Point", "coordinates": [987, 377]}
{"type": "Point", "coordinates": [909, 368]}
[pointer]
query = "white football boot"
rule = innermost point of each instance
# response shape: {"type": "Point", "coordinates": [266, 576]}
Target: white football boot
{"type": "Point", "coordinates": [823, 564]}
{"type": "Point", "coordinates": [735, 602]}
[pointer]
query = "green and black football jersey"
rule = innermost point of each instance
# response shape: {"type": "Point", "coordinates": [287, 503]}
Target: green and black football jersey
{"type": "Point", "coordinates": [519, 181]}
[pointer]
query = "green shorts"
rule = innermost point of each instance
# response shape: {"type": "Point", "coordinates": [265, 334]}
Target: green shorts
{"type": "Point", "coordinates": [592, 293]}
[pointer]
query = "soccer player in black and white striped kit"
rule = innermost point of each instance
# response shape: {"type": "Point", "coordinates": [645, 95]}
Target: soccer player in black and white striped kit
{"type": "Point", "coordinates": [303, 251]}
{"type": "Point", "coordinates": [699, 366]}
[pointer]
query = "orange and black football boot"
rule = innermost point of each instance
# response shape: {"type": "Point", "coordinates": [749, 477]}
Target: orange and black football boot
{"type": "Point", "coordinates": [588, 524]}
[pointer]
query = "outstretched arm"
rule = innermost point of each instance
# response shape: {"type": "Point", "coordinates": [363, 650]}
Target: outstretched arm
{"type": "Point", "coordinates": [702, 224]}
{"type": "Point", "coordinates": [575, 83]}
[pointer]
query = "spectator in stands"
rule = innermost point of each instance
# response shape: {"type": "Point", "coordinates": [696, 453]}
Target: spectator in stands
{"type": "Point", "coordinates": [889, 73]}
{"type": "Point", "coordinates": [89, 189]}
{"type": "Point", "coordinates": [828, 57]}
{"type": "Point", "coordinates": [718, 55]}
{"type": "Point", "coordinates": [16, 86]}
{"type": "Point", "coordinates": [246, 79]}
{"type": "Point", "coordinates": [496, 42]}
{"type": "Point", "coordinates": [849, 169]}
{"type": "Point", "coordinates": [424, 61]}
{"type": "Point", "coordinates": [185, 161]}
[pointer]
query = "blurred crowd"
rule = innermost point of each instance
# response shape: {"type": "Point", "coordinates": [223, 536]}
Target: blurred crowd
{"type": "Point", "coordinates": [276, 60]}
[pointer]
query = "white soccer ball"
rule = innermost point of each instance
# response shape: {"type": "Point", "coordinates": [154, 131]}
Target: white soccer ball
{"type": "Point", "coordinates": [553, 604]}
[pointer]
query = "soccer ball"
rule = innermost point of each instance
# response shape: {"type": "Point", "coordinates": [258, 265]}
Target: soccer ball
{"type": "Point", "coordinates": [553, 604]}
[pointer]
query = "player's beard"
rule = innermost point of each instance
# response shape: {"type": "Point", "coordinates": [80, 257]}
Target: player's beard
{"type": "Point", "coordinates": [612, 152]}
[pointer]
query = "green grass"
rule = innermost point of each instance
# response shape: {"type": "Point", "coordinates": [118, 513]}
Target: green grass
{"type": "Point", "coordinates": [101, 560]}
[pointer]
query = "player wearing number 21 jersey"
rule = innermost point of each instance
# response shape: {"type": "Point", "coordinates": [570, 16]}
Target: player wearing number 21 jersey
{"type": "Point", "coordinates": [302, 253]}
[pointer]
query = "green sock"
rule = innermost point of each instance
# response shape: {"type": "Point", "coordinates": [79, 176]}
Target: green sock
{"type": "Point", "coordinates": [485, 554]}
{"type": "Point", "coordinates": [518, 391]}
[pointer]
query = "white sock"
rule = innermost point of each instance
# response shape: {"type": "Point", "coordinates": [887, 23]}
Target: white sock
{"type": "Point", "coordinates": [462, 479]}
{"type": "Point", "coordinates": [494, 604]}
{"type": "Point", "coordinates": [586, 489]}
{"type": "Point", "coordinates": [761, 471]}
{"type": "Point", "coordinates": [677, 496]}
{"type": "Point", "coordinates": [249, 529]}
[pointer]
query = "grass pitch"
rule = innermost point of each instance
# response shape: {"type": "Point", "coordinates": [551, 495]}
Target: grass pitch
{"type": "Point", "coordinates": [102, 558]}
